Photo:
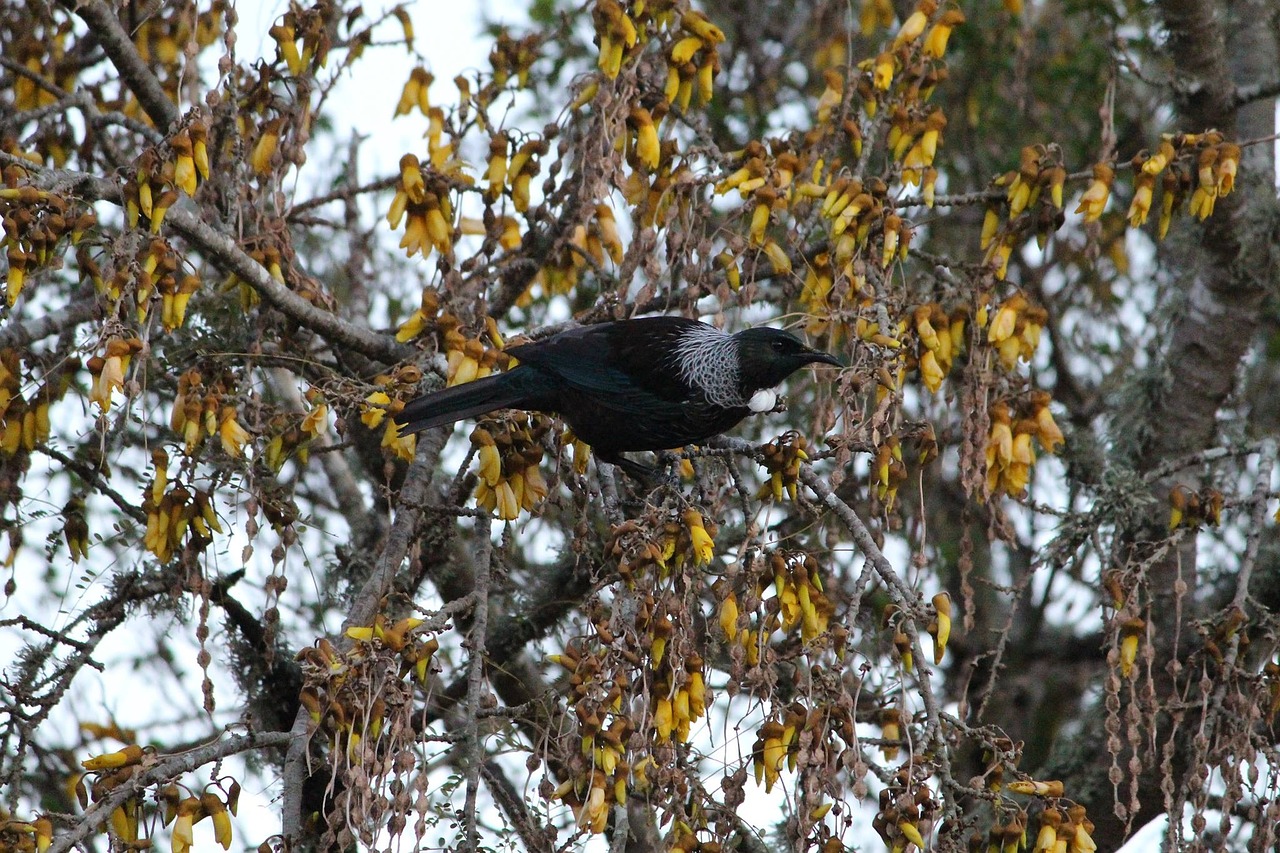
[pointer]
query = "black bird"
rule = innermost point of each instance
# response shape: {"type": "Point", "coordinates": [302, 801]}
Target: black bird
{"type": "Point", "coordinates": [651, 383]}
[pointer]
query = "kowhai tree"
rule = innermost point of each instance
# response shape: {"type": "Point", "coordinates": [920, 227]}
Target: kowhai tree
{"type": "Point", "coordinates": [1006, 580]}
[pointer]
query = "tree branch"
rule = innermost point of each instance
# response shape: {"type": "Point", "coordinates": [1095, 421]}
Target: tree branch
{"type": "Point", "coordinates": [105, 28]}
{"type": "Point", "coordinates": [163, 769]}
{"type": "Point", "coordinates": [39, 328]}
{"type": "Point", "coordinates": [227, 256]}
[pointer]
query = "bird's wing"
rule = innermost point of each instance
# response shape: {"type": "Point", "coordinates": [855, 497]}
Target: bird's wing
{"type": "Point", "coordinates": [627, 365]}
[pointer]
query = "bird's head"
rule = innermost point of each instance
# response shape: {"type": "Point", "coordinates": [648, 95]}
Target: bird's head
{"type": "Point", "coordinates": [767, 356]}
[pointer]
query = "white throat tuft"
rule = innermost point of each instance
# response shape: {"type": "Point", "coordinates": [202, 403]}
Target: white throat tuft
{"type": "Point", "coordinates": [763, 400]}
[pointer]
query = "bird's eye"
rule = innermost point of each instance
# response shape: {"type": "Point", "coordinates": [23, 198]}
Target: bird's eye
{"type": "Point", "coordinates": [778, 346]}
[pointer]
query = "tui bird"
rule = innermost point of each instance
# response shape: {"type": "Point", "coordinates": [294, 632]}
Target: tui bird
{"type": "Point", "coordinates": [650, 383]}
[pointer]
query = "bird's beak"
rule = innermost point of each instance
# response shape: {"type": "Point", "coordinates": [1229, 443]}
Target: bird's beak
{"type": "Point", "coordinates": [815, 356]}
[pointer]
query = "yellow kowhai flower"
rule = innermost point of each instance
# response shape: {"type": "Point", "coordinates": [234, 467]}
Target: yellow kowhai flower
{"type": "Point", "coordinates": [778, 257]}
{"type": "Point", "coordinates": [875, 13]}
{"type": "Point", "coordinates": [702, 545]}
{"type": "Point", "coordinates": [374, 409]}
{"type": "Point", "coordinates": [914, 25]}
{"type": "Point", "coordinates": [414, 93]}
{"type": "Point", "coordinates": [1094, 200]}
{"type": "Point", "coordinates": [130, 755]}
{"type": "Point", "coordinates": [212, 806]}
{"type": "Point", "coordinates": [1006, 319]}
{"type": "Point", "coordinates": [1144, 186]}
{"type": "Point", "coordinates": [263, 150]}
{"type": "Point", "coordinates": [1131, 632]}
{"type": "Point", "coordinates": [1227, 167]}
{"type": "Point", "coordinates": [233, 436]}
{"type": "Point", "coordinates": [648, 148]}
{"type": "Point", "coordinates": [882, 71]}
{"type": "Point", "coordinates": [698, 24]}
{"type": "Point", "coordinates": [930, 371]}
{"type": "Point", "coordinates": [935, 43]}
{"type": "Point", "coordinates": [402, 446]}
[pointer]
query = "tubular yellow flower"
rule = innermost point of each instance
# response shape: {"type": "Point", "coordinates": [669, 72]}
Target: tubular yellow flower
{"type": "Point", "coordinates": [1094, 200]}
{"type": "Point", "coordinates": [130, 755]}
{"type": "Point", "coordinates": [1006, 320]}
{"type": "Point", "coordinates": [930, 372]}
{"type": "Point", "coordinates": [1228, 165]}
{"type": "Point", "coordinates": [942, 606]}
{"type": "Point", "coordinates": [188, 811]}
{"type": "Point", "coordinates": [832, 95]}
{"type": "Point", "coordinates": [697, 23]}
{"type": "Point", "coordinates": [1144, 186]}
{"type": "Point", "coordinates": [184, 172]}
{"type": "Point", "coordinates": [915, 23]}
{"type": "Point", "coordinates": [1131, 632]}
{"type": "Point", "coordinates": [703, 546]}
{"type": "Point", "coordinates": [263, 150]}
{"type": "Point", "coordinates": [765, 199]}
{"type": "Point", "coordinates": [233, 436]}
{"type": "Point", "coordinates": [882, 71]}
{"type": "Point", "coordinates": [217, 810]}
{"type": "Point", "coordinates": [374, 409]}
{"type": "Point", "coordinates": [648, 148]}
{"type": "Point", "coordinates": [777, 257]}
{"type": "Point", "coordinates": [990, 224]}
{"type": "Point", "coordinates": [683, 50]}
{"type": "Point", "coordinates": [935, 43]}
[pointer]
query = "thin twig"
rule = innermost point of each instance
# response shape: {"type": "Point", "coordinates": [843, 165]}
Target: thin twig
{"type": "Point", "coordinates": [475, 678]}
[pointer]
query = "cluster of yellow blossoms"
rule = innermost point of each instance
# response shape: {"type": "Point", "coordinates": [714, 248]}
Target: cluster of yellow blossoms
{"type": "Point", "coordinates": [1015, 329]}
{"type": "Point", "coordinates": [24, 420]}
{"type": "Point", "coordinates": [1201, 167]}
{"type": "Point", "coordinates": [859, 212]}
{"type": "Point", "coordinates": [692, 60]}
{"type": "Point", "coordinates": [310, 27]}
{"type": "Point", "coordinates": [508, 453]}
{"type": "Point", "coordinates": [35, 223]}
{"type": "Point", "coordinates": [25, 836]}
{"type": "Point", "coordinates": [289, 440]}
{"type": "Point", "coordinates": [346, 694]}
{"type": "Point", "coordinates": [510, 57]}
{"type": "Point", "coordinates": [468, 359]}
{"type": "Point", "coordinates": [603, 774]}
{"type": "Point", "coordinates": [587, 243]}
{"type": "Point", "coordinates": [798, 602]}
{"type": "Point", "coordinates": [430, 211]}
{"type": "Point", "coordinates": [1062, 830]}
{"type": "Point", "coordinates": [128, 824]}
{"type": "Point", "coordinates": [108, 370]}
{"type": "Point", "coordinates": [942, 339]}
{"type": "Point", "coordinates": [782, 459]}
{"type": "Point", "coordinates": [162, 171]}
{"type": "Point", "coordinates": [685, 539]}
{"type": "Point", "coordinates": [515, 175]}
{"type": "Point", "coordinates": [201, 410]}
{"type": "Point", "coordinates": [176, 514]}
{"type": "Point", "coordinates": [1202, 164]}
{"type": "Point", "coordinates": [674, 693]}
{"type": "Point", "coordinates": [1188, 508]}
{"type": "Point", "coordinates": [907, 812]}
{"type": "Point", "coordinates": [377, 405]}
{"type": "Point", "coordinates": [1009, 453]}
{"type": "Point", "coordinates": [1033, 199]}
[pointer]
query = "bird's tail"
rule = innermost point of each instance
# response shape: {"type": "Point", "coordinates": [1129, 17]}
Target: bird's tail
{"type": "Point", "coordinates": [500, 391]}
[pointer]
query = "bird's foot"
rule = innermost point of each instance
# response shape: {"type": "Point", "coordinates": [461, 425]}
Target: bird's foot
{"type": "Point", "coordinates": [648, 477]}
